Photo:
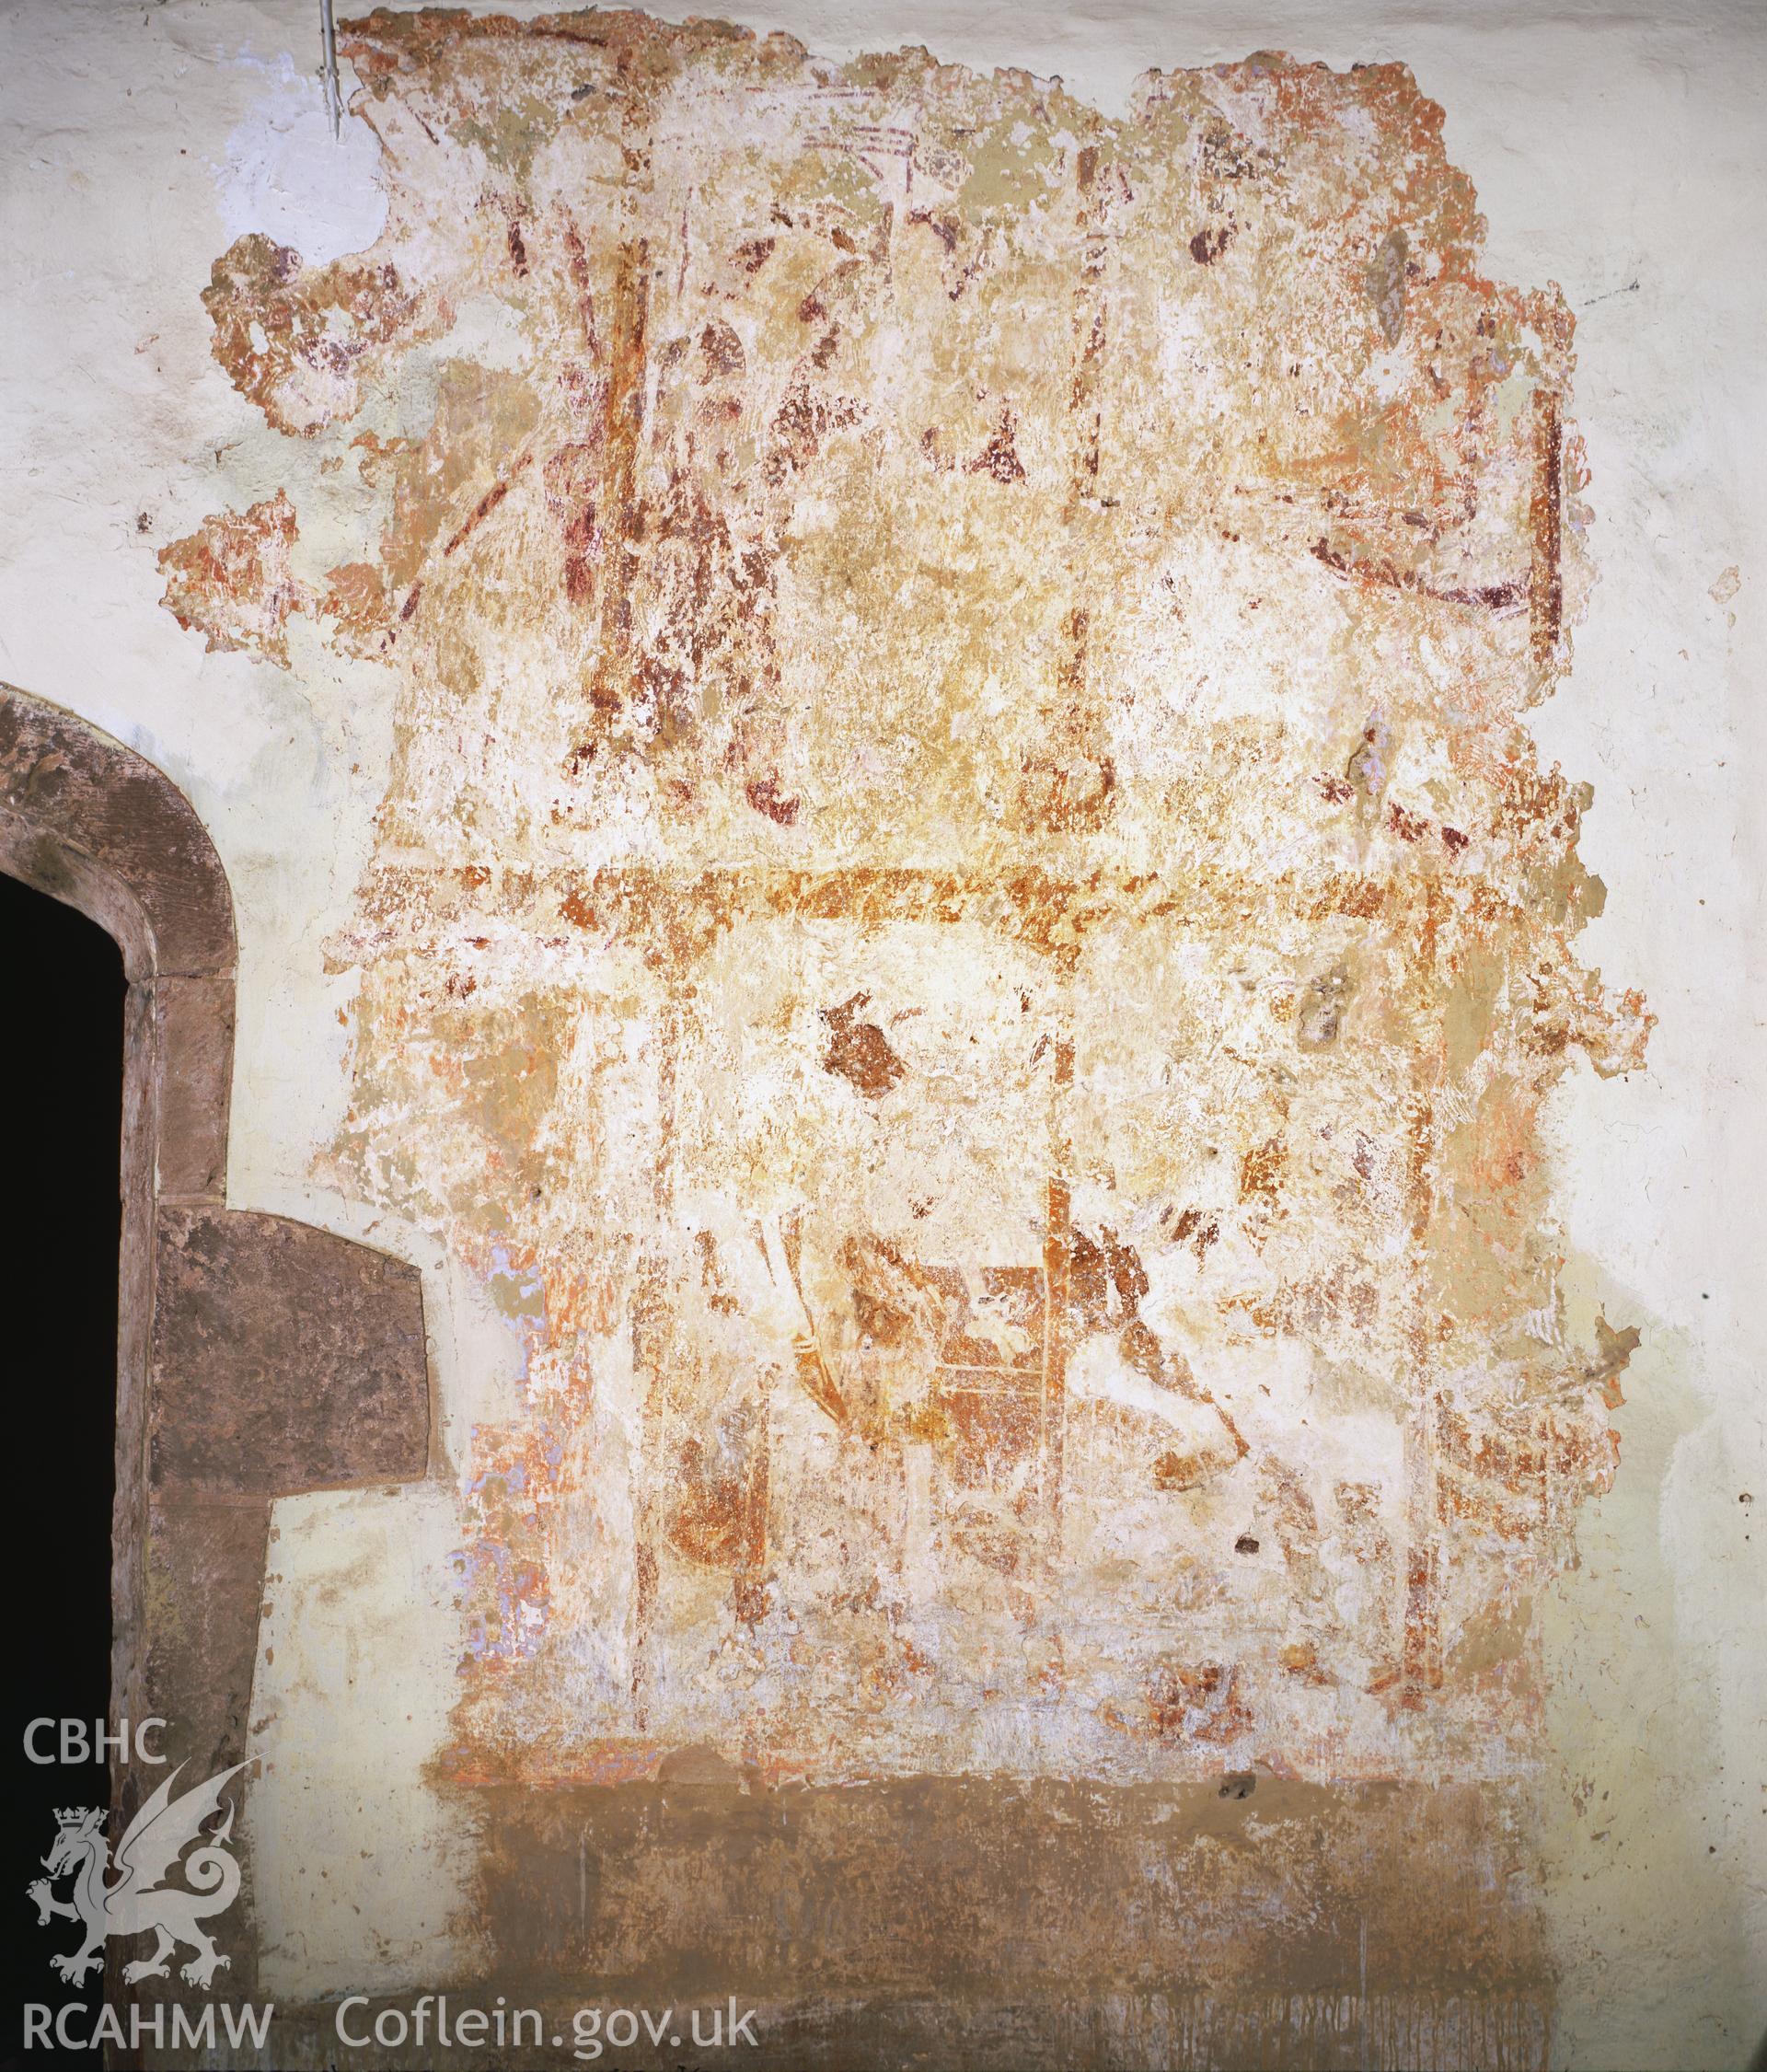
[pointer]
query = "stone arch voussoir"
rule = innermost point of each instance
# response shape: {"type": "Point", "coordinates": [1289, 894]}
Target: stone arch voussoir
{"type": "Point", "coordinates": [257, 1356]}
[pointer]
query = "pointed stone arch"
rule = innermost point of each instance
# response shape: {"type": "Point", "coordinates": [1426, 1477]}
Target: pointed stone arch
{"type": "Point", "coordinates": [257, 1356]}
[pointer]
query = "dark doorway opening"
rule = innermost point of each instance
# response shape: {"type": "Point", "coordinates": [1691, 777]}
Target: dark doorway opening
{"type": "Point", "coordinates": [61, 993]}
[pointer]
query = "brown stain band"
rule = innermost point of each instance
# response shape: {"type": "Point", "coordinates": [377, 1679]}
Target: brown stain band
{"type": "Point", "coordinates": [1546, 584]}
{"type": "Point", "coordinates": [980, 1890]}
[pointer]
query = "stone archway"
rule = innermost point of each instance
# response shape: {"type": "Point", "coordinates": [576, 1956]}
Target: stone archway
{"type": "Point", "coordinates": [257, 1356]}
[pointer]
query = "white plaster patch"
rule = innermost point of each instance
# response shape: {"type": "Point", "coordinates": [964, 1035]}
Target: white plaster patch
{"type": "Point", "coordinates": [285, 175]}
{"type": "Point", "coordinates": [359, 1875]}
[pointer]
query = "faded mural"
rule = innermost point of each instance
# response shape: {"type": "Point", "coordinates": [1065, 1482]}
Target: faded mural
{"type": "Point", "coordinates": [966, 928]}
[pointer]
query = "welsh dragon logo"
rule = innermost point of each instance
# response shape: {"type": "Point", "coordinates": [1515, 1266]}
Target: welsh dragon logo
{"type": "Point", "coordinates": [138, 1900]}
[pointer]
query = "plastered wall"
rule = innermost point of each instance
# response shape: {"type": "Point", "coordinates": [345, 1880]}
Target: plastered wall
{"type": "Point", "coordinates": [750, 1286]}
